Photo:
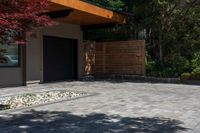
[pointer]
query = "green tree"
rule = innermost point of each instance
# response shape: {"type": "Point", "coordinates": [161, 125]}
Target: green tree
{"type": "Point", "coordinates": [112, 4]}
{"type": "Point", "coordinates": [171, 29]}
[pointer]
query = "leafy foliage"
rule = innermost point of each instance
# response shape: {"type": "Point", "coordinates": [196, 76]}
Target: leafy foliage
{"type": "Point", "coordinates": [19, 16]}
{"type": "Point", "coordinates": [112, 4]}
{"type": "Point", "coordinates": [185, 76]}
{"type": "Point", "coordinates": [196, 60]}
{"type": "Point", "coordinates": [194, 75]}
{"type": "Point", "coordinates": [171, 30]}
{"type": "Point", "coordinates": [171, 68]}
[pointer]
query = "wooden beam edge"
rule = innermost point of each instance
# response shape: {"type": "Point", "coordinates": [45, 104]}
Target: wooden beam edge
{"type": "Point", "coordinates": [92, 9]}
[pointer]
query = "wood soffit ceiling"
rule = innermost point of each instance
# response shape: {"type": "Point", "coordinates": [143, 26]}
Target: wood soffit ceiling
{"type": "Point", "coordinates": [83, 13]}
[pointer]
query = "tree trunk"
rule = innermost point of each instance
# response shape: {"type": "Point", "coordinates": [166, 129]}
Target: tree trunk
{"type": "Point", "coordinates": [160, 48]}
{"type": "Point", "coordinates": [160, 52]}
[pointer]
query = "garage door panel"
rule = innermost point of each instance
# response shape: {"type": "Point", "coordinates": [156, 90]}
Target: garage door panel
{"type": "Point", "coordinates": [60, 57]}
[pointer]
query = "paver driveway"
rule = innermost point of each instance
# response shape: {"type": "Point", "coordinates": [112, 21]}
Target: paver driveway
{"type": "Point", "coordinates": [118, 107]}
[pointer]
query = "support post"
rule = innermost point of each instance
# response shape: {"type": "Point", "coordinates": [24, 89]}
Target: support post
{"type": "Point", "coordinates": [24, 77]}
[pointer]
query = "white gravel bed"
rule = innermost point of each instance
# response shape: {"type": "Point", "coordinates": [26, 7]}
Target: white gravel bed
{"type": "Point", "coordinates": [28, 99]}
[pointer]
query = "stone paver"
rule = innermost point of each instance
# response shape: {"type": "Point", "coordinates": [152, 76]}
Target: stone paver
{"type": "Point", "coordinates": [118, 107]}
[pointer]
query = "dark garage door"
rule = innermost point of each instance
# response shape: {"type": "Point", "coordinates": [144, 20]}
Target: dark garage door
{"type": "Point", "coordinates": [60, 59]}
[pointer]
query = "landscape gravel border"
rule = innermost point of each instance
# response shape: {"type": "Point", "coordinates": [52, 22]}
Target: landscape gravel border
{"type": "Point", "coordinates": [2, 112]}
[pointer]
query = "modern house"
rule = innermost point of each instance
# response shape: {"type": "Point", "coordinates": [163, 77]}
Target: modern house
{"type": "Point", "coordinates": [55, 53]}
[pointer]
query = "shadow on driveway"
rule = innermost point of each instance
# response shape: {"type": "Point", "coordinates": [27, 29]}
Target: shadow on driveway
{"type": "Point", "coordinates": [65, 122]}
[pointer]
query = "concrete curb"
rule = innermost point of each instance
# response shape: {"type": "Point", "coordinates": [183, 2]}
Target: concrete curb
{"type": "Point", "coordinates": [137, 78]}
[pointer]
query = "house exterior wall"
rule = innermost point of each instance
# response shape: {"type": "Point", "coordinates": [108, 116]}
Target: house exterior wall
{"type": "Point", "coordinates": [35, 48]}
{"type": "Point", "coordinates": [12, 76]}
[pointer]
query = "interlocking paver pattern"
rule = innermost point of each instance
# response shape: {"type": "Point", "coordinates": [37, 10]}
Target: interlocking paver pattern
{"type": "Point", "coordinates": [118, 107]}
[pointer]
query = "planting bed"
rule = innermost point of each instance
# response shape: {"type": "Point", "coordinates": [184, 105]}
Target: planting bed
{"type": "Point", "coordinates": [29, 99]}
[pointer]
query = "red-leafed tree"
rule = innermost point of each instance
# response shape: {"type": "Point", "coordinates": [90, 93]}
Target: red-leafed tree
{"type": "Point", "coordinates": [17, 17]}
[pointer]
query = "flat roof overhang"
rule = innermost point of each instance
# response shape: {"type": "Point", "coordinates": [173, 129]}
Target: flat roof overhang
{"type": "Point", "coordinates": [83, 13]}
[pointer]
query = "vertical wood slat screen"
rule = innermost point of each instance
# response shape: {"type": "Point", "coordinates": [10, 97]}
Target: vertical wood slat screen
{"type": "Point", "coordinates": [122, 57]}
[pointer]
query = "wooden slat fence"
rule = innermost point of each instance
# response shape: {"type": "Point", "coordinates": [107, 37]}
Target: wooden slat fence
{"type": "Point", "coordinates": [121, 58]}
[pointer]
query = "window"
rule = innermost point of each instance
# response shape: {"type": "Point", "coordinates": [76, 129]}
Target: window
{"type": "Point", "coordinates": [9, 55]}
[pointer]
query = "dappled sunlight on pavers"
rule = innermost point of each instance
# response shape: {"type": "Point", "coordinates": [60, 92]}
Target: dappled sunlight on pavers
{"type": "Point", "coordinates": [170, 102]}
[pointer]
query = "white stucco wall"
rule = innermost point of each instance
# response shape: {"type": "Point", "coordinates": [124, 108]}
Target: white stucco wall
{"type": "Point", "coordinates": [35, 48]}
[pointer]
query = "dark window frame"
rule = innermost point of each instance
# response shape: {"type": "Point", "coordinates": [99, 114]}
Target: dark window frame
{"type": "Point", "coordinates": [19, 60]}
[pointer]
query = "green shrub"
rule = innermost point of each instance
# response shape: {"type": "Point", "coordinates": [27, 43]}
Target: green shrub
{"type": "Point", "coordinates": [196, 60]}
{"type": "Point", "coordinates": [173, 66]}
{"type": "Point", "coordinates": [179, 64]}
{"type": "Point", "coordinates": [195, 75]}
{"type": "Point", "coordinates": [150, 65]}
{"type": "Point", "coordinates": [185, 76]}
